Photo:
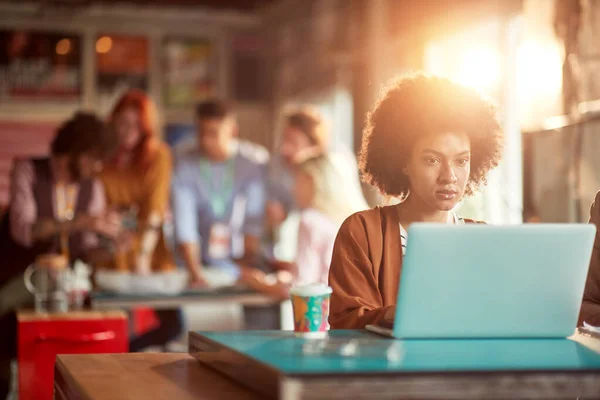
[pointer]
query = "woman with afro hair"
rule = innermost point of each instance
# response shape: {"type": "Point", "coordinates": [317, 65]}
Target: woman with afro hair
{"type": "Point", "coordinates": [429, 142]}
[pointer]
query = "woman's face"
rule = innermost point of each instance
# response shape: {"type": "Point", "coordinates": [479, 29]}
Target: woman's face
{"type": "Point", "coordinates": [294, 143]}
{"type": "Point", "coordinates": [304, 190]}
{"type": "Point", "coordinates": [439, 169]}
{"type": "Point", "coordinates": [127, 125]}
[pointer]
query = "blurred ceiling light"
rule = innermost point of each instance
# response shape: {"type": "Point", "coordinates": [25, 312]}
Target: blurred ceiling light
{"type": "Point", "coordinates": [104, 44]}
{"type": "Point", "coordinates": [63, 47]}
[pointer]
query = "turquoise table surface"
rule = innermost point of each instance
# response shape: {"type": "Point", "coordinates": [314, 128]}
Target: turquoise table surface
{"type": "Point", "coordinates": [359, 364]}
{"type": "Point", "coordinates": [359, 352]}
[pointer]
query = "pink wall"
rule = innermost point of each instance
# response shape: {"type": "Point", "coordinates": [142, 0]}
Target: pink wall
{"type": "Point", "coordinates": [18, 140]}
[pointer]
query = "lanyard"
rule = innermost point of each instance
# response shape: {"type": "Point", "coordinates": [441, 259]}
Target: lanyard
{"type": "Point", "coordinates": [66, 196]}
{"type": "Point", "coordinates": [219, 192]}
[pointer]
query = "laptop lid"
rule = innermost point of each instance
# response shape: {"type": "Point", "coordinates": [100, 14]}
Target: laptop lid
{"type": "Point", "coordinates": [482, 281]}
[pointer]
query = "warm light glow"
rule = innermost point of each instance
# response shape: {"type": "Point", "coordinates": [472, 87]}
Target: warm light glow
{"type": "Point", "coordinates": [474, 65]}
{"type": "Point", "coordinates": [539, 70]}
{"type": "Point", "coordinates": [104, 44]}
{"type": "Point", "coordinates": [479, 68]}
{"type": "Point", "coordinates": [63, 47]}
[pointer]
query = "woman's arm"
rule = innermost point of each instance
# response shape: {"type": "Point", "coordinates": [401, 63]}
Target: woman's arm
{"type": "Point", "coordinates": [276, 285]}
{"type": "Point", "coordinates": [590, 308]}
{"type": "Point", "coordinates": [152, 211]}
{"type": "Point", "coordinates": [356, 299]}
{"type": "Point", "coordinates": [310, 250]}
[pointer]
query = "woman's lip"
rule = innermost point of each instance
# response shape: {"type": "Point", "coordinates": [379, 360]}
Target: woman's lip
{"type": "Point", "coordinates": [447, 191]}
{"type": "Point", "coordinates": [446, 194]}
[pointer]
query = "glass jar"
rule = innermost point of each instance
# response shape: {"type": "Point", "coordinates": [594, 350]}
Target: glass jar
{"type": "Point", "coordinates": [48, 280]}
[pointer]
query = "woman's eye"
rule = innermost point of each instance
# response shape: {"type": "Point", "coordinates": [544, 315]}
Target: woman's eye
{"type": "Point", "coordinates": [431, 160]}
{"type": "Point", "coordinates": [462, 162]}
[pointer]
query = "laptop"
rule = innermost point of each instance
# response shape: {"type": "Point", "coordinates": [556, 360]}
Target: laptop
{"type": "Point", "coordinates": [482, 281]}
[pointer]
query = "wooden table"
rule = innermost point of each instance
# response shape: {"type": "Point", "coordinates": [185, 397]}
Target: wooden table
{"type": "Point", "coordinates": [141, 376]}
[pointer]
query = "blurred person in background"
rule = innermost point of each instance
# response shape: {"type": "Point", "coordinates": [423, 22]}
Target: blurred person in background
{"type": "Point", "coordinates": [218, 195]}
{"type": "Point", "coordinates": [218, 198]}
{"type": "Point", "coordinates": [305, 134]}
{"type": "Point", "coordinates": [320, 195]}
{"type": "Point", "coordinates": [137, 181]}
{"type": "Point", "coordinates": [56, 206]}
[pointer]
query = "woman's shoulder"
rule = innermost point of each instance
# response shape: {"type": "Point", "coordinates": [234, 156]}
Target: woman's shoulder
{"type": "Point", "coordinates": [369, 221]}
{"type": "Point", "coordinates": [163, 152]}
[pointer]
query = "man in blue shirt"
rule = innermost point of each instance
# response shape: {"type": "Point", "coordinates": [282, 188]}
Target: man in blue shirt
{"type": "Point", "coordinates": [218, 195]}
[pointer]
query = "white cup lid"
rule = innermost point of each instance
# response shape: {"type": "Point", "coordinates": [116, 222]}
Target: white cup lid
{"type": "Point", "coordinates": [311, 289]}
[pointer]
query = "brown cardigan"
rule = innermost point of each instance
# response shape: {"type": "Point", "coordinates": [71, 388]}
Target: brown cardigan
{"type": "Point", "coordinates": [590, 309]}
{"type": "Point", "coordinates": [365, 268]}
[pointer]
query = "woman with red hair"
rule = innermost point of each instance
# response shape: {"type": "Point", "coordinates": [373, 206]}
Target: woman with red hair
{"type": "Point", "coordinates": [138, 179]}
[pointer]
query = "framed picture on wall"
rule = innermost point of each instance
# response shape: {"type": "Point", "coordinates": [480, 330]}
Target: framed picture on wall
{"type": "Point", "coordinates": [122, 63]}
{"type": "Point", "coordinates": [189, 71]}
{"type": "Point", "coordinates": [42, 66]}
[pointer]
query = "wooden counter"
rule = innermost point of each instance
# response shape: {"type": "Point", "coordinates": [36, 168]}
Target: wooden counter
{"type": "Point", "coordinates": [141, 376]}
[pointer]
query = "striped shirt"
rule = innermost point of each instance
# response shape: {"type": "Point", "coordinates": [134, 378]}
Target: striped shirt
{"type": "Point", "coordinates": [455, 220]}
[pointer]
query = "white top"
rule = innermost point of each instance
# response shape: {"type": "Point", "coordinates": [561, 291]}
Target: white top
{"type": "Point", "coordinates": [312, 289]}
{"type": "Point", "coordinates": [316, 236]}
{"type": "Point", "coordinates": [452, 219]}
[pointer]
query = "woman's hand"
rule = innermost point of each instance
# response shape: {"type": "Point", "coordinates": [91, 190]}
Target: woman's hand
{"type": "Point", "coordinates": [290, 267]}
{"type": "Point", "coordinates": [45, 228]}
{"type": "Point", "coordinates": [390, 314]}
{"type": "Point", "coordinates": [270, 284]}
{"type": "Point", "coordinates": [249, 274]}
{"type": "Point", "coordinates": [108, 225]}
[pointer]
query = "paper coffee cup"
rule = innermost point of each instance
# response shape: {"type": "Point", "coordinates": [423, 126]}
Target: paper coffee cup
{"type": "Point", "coordinates": [311, 309]}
